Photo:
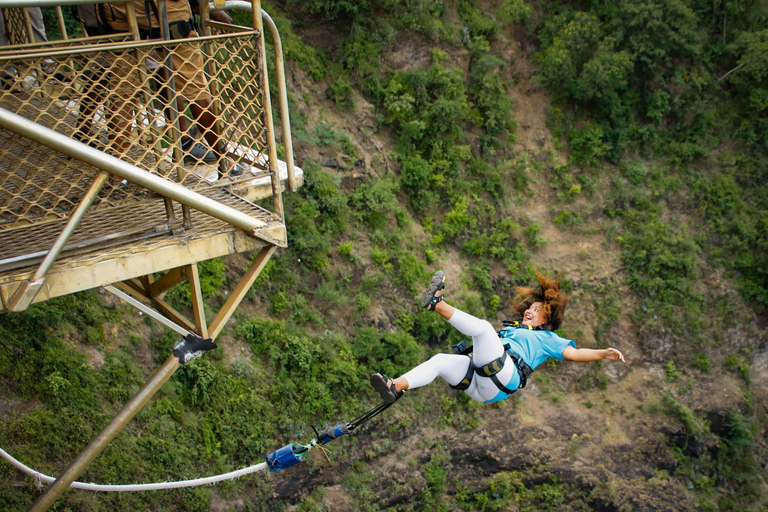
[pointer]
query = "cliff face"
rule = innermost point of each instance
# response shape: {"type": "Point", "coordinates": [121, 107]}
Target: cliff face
{"type": "Point", "coordinates": [663, 432]}
{"type": "Point", "coordinates": [429, 141]}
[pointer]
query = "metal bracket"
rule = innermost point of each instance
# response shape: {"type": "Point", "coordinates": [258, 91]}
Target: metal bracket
{"type": "Point", "coordinates": [192, 346]}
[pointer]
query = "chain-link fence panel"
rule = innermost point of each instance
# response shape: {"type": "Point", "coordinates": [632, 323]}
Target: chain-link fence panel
{"type": "Point", "coordinates": [190, 111]}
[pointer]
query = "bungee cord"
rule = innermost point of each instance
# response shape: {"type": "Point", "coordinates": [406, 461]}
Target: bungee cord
{"type": "Point", "coordinates": [41, 479]}
{"type": "Point", "coordinates": [190, 347]}
{"type": "Point", "coordinates": [287, 456]}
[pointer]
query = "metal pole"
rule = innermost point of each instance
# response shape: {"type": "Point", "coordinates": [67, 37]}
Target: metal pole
{"type": "Point", "coordinates": [277, 199]}
{"type": "Point", "coordinates": [60, 19]}
{"type": "Point", "coordinates": [174, 111]}
{"type": "Point", "coordinates": [5, 4]}
{"type": "Point", "coordinates": [112, 165]}
{"type": "Point", "coordinates": [282, 90]}
{"type": "Point", "coordinates": [282, 94]}
{"type": "Point", "coordinates": [26, 293]}
{"type": "Point", "coordinates": [74, 221]}
{"type": "Point", "coordinates": [130, 409]}
{"type": "Point", "coordinates": [237, 295]}
{"type": "Point", "coordinates": [147, 310]}
{"type": "Point", "coordinates": [198, 304]}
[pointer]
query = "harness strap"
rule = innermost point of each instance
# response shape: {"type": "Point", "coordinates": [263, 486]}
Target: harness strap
{"type": "Point", "coordinates": [491, 369]}
{"type": "Point", "coordinates": [467, 380]}
{"type": "Point", "coordinates": [523, 369]}
{"type": "Point", "coordinates": [501, 386]}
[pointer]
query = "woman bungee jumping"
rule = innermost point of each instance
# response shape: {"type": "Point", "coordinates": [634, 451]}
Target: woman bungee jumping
{"type": "Point", "coordinates": [501, 362]}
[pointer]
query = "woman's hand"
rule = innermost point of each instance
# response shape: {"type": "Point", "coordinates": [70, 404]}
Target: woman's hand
{"type": "Point", "coordinates": [588, 355]}
{"type": "Point", "coordinates": [614, 355]}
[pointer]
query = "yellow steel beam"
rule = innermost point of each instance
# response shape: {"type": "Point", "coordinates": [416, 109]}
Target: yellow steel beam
{"type": "Point", "coordinates": [168, 281]}
{"type": "Point", "coordinates": [73, 275]}
{"type": "Point", "coordinates": [237, 295]}
{"type": "Point", "coordinates": [198, 306]}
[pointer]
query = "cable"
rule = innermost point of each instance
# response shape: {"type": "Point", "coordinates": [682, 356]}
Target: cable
{"type": "Point", "coordinates": [283, 458]}
{"type": "Point", "coordinates": [41, 479]}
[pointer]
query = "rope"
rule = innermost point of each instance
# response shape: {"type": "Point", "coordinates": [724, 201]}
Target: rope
{"type": "Point", "coordinates": [41, 479]}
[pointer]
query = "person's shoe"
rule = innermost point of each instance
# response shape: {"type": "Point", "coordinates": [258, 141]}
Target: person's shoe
{"type": "Point", "coordinates": [437, 283]}
{"type": "Point", "coordinates": [228, 168]}
{"type": "Point", "coordinates": [195, 152]}
{"type": "Point", "coordinates": [385, 386]}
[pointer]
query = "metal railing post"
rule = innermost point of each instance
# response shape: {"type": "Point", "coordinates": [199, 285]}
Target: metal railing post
{"type": "Point", "coordinates": [277, 199]}
{"type": "Point", "coordinates": [282, 94]}
{"type": "Point", "coordinates": [282, 90]}
{"type": "Point", "coordinates": [100, 442]}
{"type": "Point", "coordinates": [26, 292]}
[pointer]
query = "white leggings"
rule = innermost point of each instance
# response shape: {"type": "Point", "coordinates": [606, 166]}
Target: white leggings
{"type": "Point", "coordinates": [453, 367]}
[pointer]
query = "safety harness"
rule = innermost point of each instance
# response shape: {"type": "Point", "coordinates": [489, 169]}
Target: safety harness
{"type": "Point", "coordinates": [491, 369]}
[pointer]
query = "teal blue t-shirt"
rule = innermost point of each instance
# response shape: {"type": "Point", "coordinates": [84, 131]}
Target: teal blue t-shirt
{"type": "Point", "coordinates": [534, 347]}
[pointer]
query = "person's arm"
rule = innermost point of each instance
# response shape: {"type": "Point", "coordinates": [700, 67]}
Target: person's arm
{"type": "Point", "coordinates": [588, 355]}
{"type": "Point", "coordinates": [213, 14]}
{"type": "Point", "coordinates": [220, 16]}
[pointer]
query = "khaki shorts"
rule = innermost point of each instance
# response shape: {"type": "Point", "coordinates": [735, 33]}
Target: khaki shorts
{"type": "Point", "coordinates": [189, 70]}
{"type": "Point", "coordinates": [189, 76]}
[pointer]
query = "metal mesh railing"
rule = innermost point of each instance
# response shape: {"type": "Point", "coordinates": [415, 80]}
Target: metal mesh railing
{"type": "Point", "coordinates": [15, 26]}
{"type": "Point", "coordinates": [190, 110]}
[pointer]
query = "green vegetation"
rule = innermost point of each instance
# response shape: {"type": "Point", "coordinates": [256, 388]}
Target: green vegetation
{"type": "Point", "coordinates": [660, 127]}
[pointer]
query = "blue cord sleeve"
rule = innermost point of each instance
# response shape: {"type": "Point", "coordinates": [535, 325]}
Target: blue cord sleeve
{"type": "Point", "coordinates": [329, 434]}
{"type": "Point", "coordinates": [287, 456]}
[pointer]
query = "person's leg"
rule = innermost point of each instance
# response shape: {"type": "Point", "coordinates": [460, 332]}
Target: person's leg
{"type": "Point", "coordinates": [485, 340]}
{"type": "Point", "coordinates": [192, 84]}
{"type": "Point", "coordinates": [38, 28]}
{"type": "Point", "coordinates": [95, 88]}
{"type": "Point", "coordinates": [121, 104]}
{"type": "Point", "coordinates": [450, 367]}
{"type": "Point", "coordinates": [8, 74]}
{"type": "Point", "coordinates": [4, 41]}
{"type": "Point", "coordinates": [203, 114]}
{"type": "Point", "coordinates": [486, 343]}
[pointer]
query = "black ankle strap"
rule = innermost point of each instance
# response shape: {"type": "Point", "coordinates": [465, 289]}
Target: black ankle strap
{"type": "Point", "coordinates": [434, 301]}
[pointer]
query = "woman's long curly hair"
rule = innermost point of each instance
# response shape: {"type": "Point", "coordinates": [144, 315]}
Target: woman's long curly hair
{"type": "Point", "coordinates": [549, 294]}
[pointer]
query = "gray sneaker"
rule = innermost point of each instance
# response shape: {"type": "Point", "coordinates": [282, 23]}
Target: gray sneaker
{"type": "Point", "coordinates": [437, 283]}
{"type": "Point", "coordinates": [198, 152]}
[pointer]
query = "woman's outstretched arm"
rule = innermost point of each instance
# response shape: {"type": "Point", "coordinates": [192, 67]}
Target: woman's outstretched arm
{"type": "Point", "coordinates": [587, 355]}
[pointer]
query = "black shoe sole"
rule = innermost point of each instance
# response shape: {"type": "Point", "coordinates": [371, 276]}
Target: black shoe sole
{"type": "Point", "coordinates": [434, 287]}
{"type": "Point", "coordinates": [379, 383]}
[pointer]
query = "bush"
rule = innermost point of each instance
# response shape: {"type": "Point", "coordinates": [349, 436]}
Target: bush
{"type": "Point", "coordinates": [337, 9]}
{"type": "Point", "coordinates": [307, 57]}
{"type": "Point", "coordinates": [662, 265]}
{"type": "Point", "coordinates": [587, 146]}
{"type": "Point", "coordinates": [340, 92]}
{"type": "Point", "coordinates": [476, 23]}
{"type": "Point", "coordinates": [387, 353]}
{"type": "Point", "coordinates": [308, 245]}
{"type": "Point", "coordinates": [322, 190]}
{"type": "Point", "coordinates": [488, 92]}
{"type": "Point", "coordinates": [374, 201]}
{"type": "Point", "coordinates": [513, 11]}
